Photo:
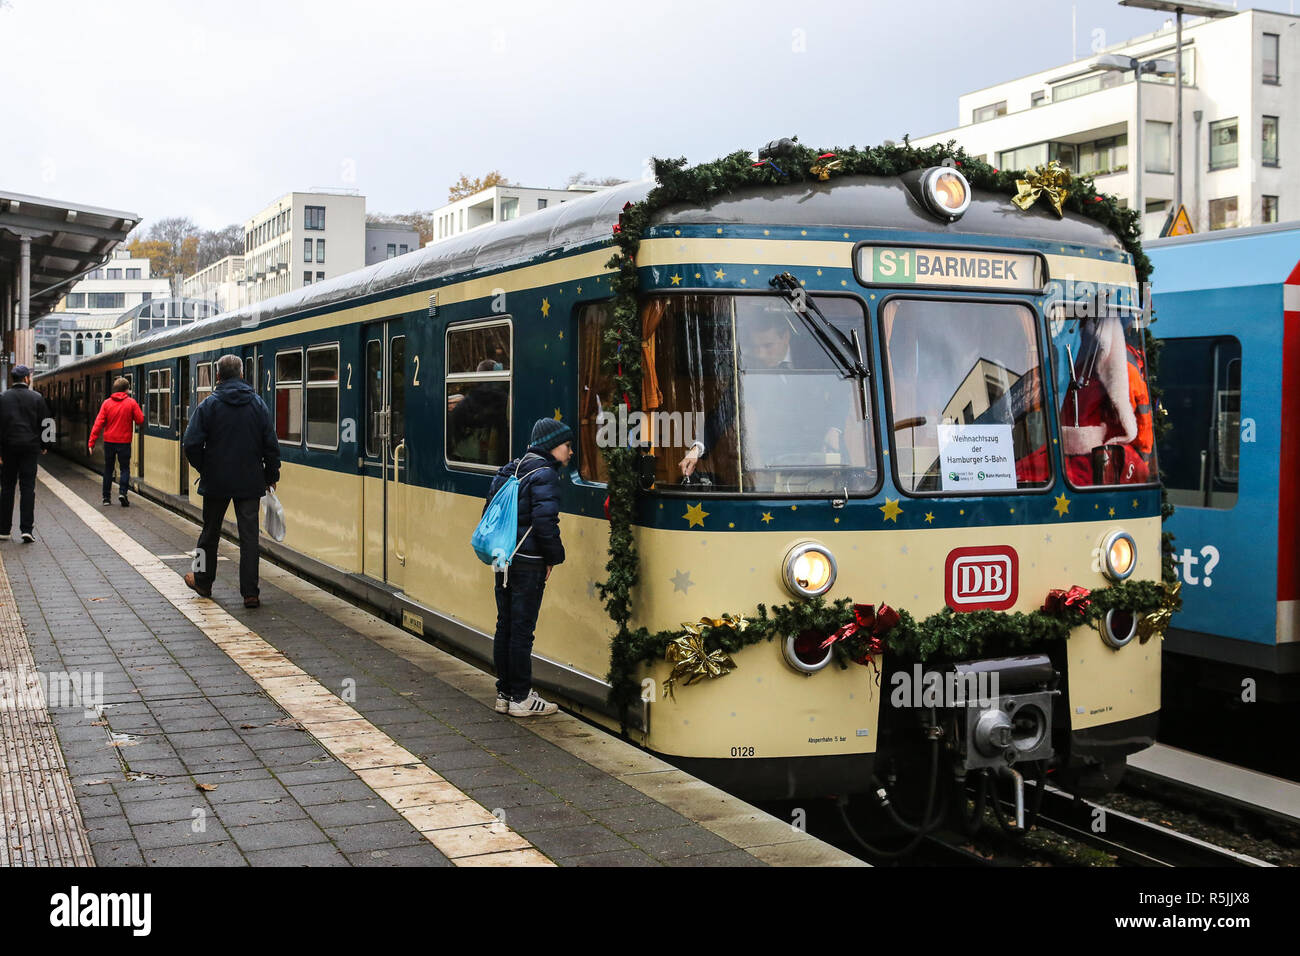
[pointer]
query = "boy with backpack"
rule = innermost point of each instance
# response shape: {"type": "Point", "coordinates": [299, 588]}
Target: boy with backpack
{"type": "Point", "coordinates": [538, 549]}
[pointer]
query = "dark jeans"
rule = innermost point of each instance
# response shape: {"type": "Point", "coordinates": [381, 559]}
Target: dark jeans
{"type": "Point", "coordinates": [512, 646]}
{"type": "Point", "coordinates": [19, 468]}
{"type": "Point", "coordinates": [119, 452]}
{"type": "Point", "coordinates": [214, 512]}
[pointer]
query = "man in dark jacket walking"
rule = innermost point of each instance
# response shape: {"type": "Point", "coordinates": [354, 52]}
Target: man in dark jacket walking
{"type": "Point", "coordinates": [26, 433]}
{"type": "Point", "coordinates": [519, 592]}
{"type": "Point", "coordinates": [232, 445]}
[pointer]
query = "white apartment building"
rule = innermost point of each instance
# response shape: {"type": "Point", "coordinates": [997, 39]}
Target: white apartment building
{"type": "Point", "coordinates": [302, 238]}
{"type": "Point", "coordinates": [119, 285]}
{"type": "Point", "coordinates": [221, 283]}
{"type": "Point", "coordinates": [499, 204]}
{"type": "Point", "coordinates": [1241, 122]}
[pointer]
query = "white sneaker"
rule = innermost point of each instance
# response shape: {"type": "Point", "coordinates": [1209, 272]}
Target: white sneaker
{"type": "Point", "coordinates": [28, 537]}
{"type": "Point", "coordinates": [503, 703]}
{"type": "Point", "coordinates": [532, 706]}
{"type": "Point", "coordinates": [5, 537]}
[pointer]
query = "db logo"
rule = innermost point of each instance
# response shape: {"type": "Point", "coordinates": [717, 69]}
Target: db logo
{"type": "Point", "coordinates": [978, 579]}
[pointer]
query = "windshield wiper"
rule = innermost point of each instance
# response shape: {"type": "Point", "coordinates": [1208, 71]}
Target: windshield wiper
{"type": "Point", "coordinates": [844, 354]}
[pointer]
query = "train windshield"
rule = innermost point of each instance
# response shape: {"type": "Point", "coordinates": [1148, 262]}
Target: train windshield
{"type": "Point", "coordinates": [966, 396]}
{"type": "Point", "coordinates": [761, 406]}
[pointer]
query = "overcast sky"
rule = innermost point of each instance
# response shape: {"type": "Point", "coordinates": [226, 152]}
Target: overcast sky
{"type": "Point", "coordinates": [211, 110]}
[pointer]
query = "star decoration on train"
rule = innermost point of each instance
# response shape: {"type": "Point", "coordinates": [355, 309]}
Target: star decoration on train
{"type": "Point", "coordinates": [676, 280]}
{"type": "Point", "coordinates": [561, 333]}
{"type": "Point", "coordinates": [767, 517]}
{"type": "Point", "coordinates": [1112, 513]}
{"type": "Point", "coordinates": [929, 517]}
{"type": "Point", "coordinates": [695, 515]}
{"type": "Point", "coordinates": [1062, 506]}
{"type": "Point", "coordinates": [682, 581]}
{"type": "Point", "coordinates": [546, 308]}
{"type": "Point", "coordinates": [891, 510]}
{"type": "Point", "coordinates": [719, 274]}
{"type": "Point", "coordinates": [558, 416]}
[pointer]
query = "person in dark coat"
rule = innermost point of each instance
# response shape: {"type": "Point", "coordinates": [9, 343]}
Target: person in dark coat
{"type": "Point", "coordinates": [26, 433]}
{"type": "Point", "coordinates": [231, 443]}
{"type": "Point", "coordinates": [116, 421]}
{"type": "Point", "coordinates": [519, 590]}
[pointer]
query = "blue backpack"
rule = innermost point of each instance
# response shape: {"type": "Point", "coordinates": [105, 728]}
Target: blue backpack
{"type": "Point", "coordinates": [494, 536]}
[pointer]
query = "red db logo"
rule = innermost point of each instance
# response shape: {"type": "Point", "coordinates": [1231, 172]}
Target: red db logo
{"type": "Point", "coordinates": [978, 579]}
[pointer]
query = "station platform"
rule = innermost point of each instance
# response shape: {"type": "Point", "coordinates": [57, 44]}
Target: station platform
{"type": "Point", "coordinates": [305, 732]}
{"type": "Point", "coordinates": [1260, 792]}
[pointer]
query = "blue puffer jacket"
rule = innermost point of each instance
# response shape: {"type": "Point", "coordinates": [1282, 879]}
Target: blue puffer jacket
{"type": "Point", "coordinates": [231, 442]}
{"type": "Point", "coordinates": [539, 505]}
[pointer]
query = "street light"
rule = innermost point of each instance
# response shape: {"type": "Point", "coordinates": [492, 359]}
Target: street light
{"type": "Point", "coordinates": [1178, 8]}
{"type": "Point", "coordinates": [1121, 63]}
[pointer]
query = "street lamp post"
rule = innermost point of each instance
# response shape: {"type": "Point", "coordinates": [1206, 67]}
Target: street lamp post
{"type": "Point", "coordinates": [1199, 8]}
{"type": "Point", "coordinates": [1112, 61]}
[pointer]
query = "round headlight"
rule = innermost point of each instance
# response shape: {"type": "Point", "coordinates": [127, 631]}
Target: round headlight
{"type": "Point", "coordinates": [1119, 555]}
{"type": "Point", "coordinates": [946, 192]}
{"type": "Point", "coordinates": [808, 569]}
{"type": "Point", "coordinates": [804, 652]}
{"type": "Point", "coordinates": [1119, 627]}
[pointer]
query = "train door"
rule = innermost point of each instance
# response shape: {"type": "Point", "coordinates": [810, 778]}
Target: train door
{"type": "Point", "coordinates": [182, 422]}
{"type": "Point", "coordinates": [384, 459]}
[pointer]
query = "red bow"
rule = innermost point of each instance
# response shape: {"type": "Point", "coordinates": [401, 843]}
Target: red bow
{"type": "Point", "coordinates": [875, 623]}
{"type": "Point", "coordinates": [1076, 599]}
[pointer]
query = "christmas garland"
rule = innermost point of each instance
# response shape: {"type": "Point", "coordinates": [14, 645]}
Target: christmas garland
{"type": "Point", "coordinates": [856, 634]}
{"type": "Point", "coordinates": [621, 358]}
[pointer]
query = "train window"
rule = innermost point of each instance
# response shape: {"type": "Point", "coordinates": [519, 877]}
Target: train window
{"type": "Point", "coordinates": [1107, 418]}
{"type": "Point", "coordinates": [1200, 451]}
{"type": "Point", "coordinates": [742, 398]}
{"type": "Point", "coordinates": [478, 384]}
{"type": "Point", "coordinates": [966, 396]}
{"type": "Point", "coordinates": [160, 397]}
{"type": "Point", "coordinates": [595, 389]}
{"type": "Point", "coordinates": [288, 396]}
{"type": "Point", "coordinates": [323, 397]}
{"type": "Point", "coordinates": [205, 375]}
{"type": "Point", "coordinates": [374, 394]}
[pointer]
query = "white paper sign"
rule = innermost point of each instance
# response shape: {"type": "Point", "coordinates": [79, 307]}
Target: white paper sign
{"type": "Point", "coordinates": [977, 458]}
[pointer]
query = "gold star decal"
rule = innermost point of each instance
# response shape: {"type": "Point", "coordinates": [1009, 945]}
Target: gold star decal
{"type": "Point", "coordinates": [767, 517]}
{"type": "Point", "coordinates": [1112, 512]}
{"type": "Point", "coordinates": [891, 510]}
{"type": "Point", "coordinates": [677, 280]}
{"type": "Point", "coordinates": [929, 517]}
{"type": "Point", "coordinates": [561, 333]}
{"type": "Point", "coordinates": [719, 274]}
{"type": "Point", "coordinates": [558, 417]}
{"type": "Point", "coordinates": [695, 515]}
{"type": "Point", "coordinates": [697, 275]}
{"type": "Point", "coordinates": [546, 308]}
{"type": "Point", "coordinates": [1135, 502]}
{"type": "Point", "coordinates": [579, 290]}
{"type": "Point", "coordinates": [1062, 506]}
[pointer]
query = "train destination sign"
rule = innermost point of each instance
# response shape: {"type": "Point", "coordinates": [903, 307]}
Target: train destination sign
{"type": "Point", "coordinates": [949, 268]}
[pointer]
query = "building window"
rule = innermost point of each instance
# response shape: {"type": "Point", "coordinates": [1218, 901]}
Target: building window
{"type": "Point", "coordinates": [313, 217]}
{"type": "Point", "coordinates": [306, 278]}
{"type": "Point", "coordinates": [320, 250]}
{"type": "Point", "coordinates": [392, 250]}
{"type": "Point", "coordinates": [106, 300]}
{"type": "Point", "coordinates": [1268, 153]}
{"type": "Point", "coordinates": [1223, 144]}
{"type": "Point", "coordinates": [403, 249]}
{"type": "Point", "coordinates": [541, 204]}
{"type": "Point", "coordinates": [133, 273]}
{"type": "Point", "coordinates": [146, 296]}
{"type": "Point", "coordinates": [1025, 157]}
{"type": "Point", "coordinates": [75, 300]}
{"type": "Point", "coordinates": [1037, 98]}
{"type": "Point", "coordinates": [323, 397]}
{"type": "Point", "coordinates": [115, 273]}
{"type": "Point", "coordinates": [288, 396]}
{"type": "Point", "coordinates": [306, 250]}
{"type": "Point", "coordinates": [478, 394]}
{"type": "Point", "coordinates": [1088, 84]}
{"type": "Point", "coordinates": [65, 344]}
{"type": "Point", "coordinates": [1101, 156]}
{"type": "Point", "coordinates": [1157, 205]}
{"type": "Point", "coordinates": [1223, 213]}
{"type": "Point", "coordinates": [320, 277]}
{"type": "Point", "coordinates": [984, 113]}
{"type": "Point", "coordinates": [1268, 213]}
{"type": "Point", "coordinates": [509, 209]}
{"type": "Point", "coordinates": [160, 397]}
{"type": "Point", "coordinates": [1272, 74]}
{"type": "Point", "coordinates": [1159, 149]}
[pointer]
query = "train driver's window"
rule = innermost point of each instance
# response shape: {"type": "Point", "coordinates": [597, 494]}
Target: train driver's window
{"type": "Point", "coordinates": [288, 397]}
{"type": "Point", "coordinates": [323, 397]}
{"type": "Point", "coordinates": [1199, 452]}
{"type": "Point", "coordinates": [478, 382]}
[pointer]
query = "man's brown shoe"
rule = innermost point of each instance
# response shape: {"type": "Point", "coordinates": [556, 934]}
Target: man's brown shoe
{"type": "Point", "coordinates": [252, 602]}
{"type": "Point", "coordinates": [193, 585]}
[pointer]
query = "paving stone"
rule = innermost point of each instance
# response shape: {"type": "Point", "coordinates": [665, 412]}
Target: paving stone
{"type": "Point", "coordinates": [676, 842]}
{"type": "Point", "coordinates": [165, 811]}
{"type": "Point", "coordinates": [545, 816]}
{"type": "Point", "coordinates": [641, 816]}
{"type": "Point", "coordinates": [326, 771]}
{"type": "Point", "coordinates": [471, 777]}
{"type": "Point", "coordinates": [266, 836]}
{"type": "Point", "coordinates": [422, 854]}
{"type": "Point", "coordinates": [334, 791]}
{"type": "Point", "coordinates": [726, 858]}
{"type": "Point", "coordinates": [352, 812]}
{"type": "Point", "coordinates": [374, 836]}
{"type": "Point", "coordinates": [152, 836]}
{"type": "Point", "coordinates": [314, 854]}
{"type": "Point", "coordinates": [512, 795]}
{"type": "Point", "coordinates": [613, 858]}
{"type": "Point", "coordinates": [125, 853]}
{"type": "Point", "coordinates": [267, 810]}
{"type": "Point", "coordinates": [200, 854]}
{"type": "Point", "coordinates": [585, 840]}
{"type": "Point", "coordinates": [242, 791]}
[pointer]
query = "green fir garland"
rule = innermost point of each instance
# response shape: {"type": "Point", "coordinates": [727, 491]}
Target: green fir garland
{"type": "Point", "coordinates": [700, 185]}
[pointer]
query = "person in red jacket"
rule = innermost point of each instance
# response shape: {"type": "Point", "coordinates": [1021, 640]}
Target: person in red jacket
{"type": "Point", "coordinates": [116, 421]}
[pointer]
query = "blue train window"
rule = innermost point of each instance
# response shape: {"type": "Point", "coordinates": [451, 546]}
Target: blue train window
{"type": "Point", "coordinates": [478, 378]}
{"type": "Point", "coordinates": [1200, 451]}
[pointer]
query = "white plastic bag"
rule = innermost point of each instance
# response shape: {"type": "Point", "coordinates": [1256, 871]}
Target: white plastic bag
{"type": "Point", "coordinates": [273, 515]}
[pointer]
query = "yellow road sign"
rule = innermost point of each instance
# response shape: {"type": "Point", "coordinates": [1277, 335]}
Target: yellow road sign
{"type": "Point", "coordinates": [1178, 224]}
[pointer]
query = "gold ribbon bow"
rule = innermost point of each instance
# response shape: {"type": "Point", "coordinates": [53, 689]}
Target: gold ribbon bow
{"type": "Point", "coordinates": [823, 170]}
{"type": "Point", "coordinates": [1154, 623]}
{"type": "Point", "coordinates": [691, 661]}
{"type": "Point", "coordinates": [1050, 179]}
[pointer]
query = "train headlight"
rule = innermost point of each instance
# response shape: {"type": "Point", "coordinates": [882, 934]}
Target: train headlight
{"type": "Point", "coordinates": [1118, 555]}
{"type": "Point", "coordinates": [808, 569]}
{"type": "Point", "coordinates": [804, 652]}
{"type": "Point", "coordinates": [946, 192]}
{"type": "Point", "coordinates": [1119, 627]}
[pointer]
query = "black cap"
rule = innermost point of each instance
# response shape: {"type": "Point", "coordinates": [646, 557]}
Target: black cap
{"type": "Point", "coordinates": [20, 371]}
